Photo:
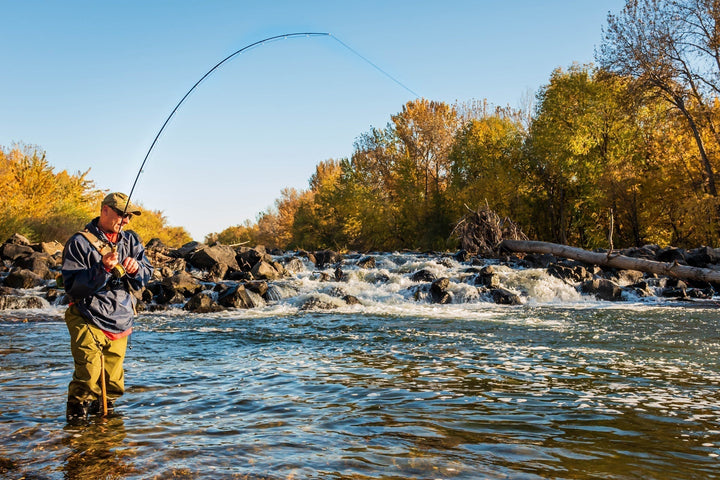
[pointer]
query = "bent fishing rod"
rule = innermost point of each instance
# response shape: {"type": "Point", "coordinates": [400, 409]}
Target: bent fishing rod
{"type": "Point", "coordinates": [235, 54]}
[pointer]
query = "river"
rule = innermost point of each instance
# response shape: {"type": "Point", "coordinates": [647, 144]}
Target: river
{"type": "Point", "coordinates": [562, 386]}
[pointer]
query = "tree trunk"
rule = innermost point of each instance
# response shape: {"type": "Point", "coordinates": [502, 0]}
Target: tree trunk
{"type": "Point", "coordinates": [613, 260]}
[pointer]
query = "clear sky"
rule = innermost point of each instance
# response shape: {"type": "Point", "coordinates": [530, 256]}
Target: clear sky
{"type": "Point", "coordinates": [91, 83]}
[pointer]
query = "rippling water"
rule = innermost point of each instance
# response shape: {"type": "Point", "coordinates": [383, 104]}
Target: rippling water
{"type": "Point", "coordinates": [583, 391]}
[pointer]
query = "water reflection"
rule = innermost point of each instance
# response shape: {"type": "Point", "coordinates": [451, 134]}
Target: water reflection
{"type": "Point", "coordinates": [94, 450]}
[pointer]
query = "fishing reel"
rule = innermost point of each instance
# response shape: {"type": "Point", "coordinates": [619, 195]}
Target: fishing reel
{"type": "Point", "coordinates": [118, 271]}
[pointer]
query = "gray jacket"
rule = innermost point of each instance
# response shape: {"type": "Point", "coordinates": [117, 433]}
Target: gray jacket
{"type": "Point", "coordinates": [101, 298]}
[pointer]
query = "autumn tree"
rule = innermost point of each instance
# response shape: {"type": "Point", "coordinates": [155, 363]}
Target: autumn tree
{"type": "Point", "coordinates": [672, 48]}
{"type": "Point", "coordinates": [485, 165]}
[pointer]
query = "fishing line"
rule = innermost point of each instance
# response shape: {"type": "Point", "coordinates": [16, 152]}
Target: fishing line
{"type": "Point", "coordinates": [236, 53]}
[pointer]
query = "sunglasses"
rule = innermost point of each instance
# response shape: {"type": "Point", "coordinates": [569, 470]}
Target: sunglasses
{"type": "Point", "coordinates": [120, 213]}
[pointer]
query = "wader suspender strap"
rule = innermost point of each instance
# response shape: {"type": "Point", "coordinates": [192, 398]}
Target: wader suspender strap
{"type": "Point", "coordinates": [102, 247]}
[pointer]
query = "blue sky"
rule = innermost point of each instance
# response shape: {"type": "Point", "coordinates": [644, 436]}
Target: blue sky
{"type": "Point", "coordinates": [91, 83]}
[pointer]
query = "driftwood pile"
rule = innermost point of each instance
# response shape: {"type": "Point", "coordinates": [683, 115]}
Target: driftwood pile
{"type": "Point", "coordinates": [481, 231]}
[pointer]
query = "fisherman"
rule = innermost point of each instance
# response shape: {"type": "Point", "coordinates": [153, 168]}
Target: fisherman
{"type": "Point", "coordinates": [103, 266]}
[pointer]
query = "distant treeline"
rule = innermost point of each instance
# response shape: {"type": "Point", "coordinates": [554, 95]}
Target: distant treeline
{"type": "Point", "coordinates": [45, 206]}
{"type": "Point", "coordinates": [620, 154]}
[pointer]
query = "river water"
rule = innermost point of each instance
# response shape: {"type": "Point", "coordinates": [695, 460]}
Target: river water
{"type": "Point", "coordinates": [395, 387]}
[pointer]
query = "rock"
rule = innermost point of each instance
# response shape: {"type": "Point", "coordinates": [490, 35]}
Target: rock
{"type": "Point", "coordinates": [38, 263]}
{"type": "Point", "coordinates": [258, 286]}
{"type": "Point", "coordinates": [462, 256]}
{"type": "Point", "coordinates": [209, 257]}
{"type": "Point", "coordinates": [217, 272]}
{"type": "Point", "coordinates": [247, 258]}
{"type": "Point", "coordinates": [182, 283]}
{"type": "Point", "coordinates": [264, 271]}
{"type": "Point", "coordinates": [487, 277]}
{"type": "Point", "coordinates": [236, 297]}
{"type": "Point", "coordinates": [602, 288]}
{"type": "Point", "coordinates": [317, 303]}
{"type": "Point", "coordinates": [325, 257]}
{"type": "Point", "coordinates": [641, 289]}
{"type": "Point", "coordinates": [438, 291]}
{"type": "Point", "coordinates": [576, 273]}
{"type": "Point", "coordinates": [11, 302]}
{"type": "Point", "coordinates": [186, 250]}
{"type": "Point", "coordinates": [351, 300]}
{"type": "Point", "coordinates": [674, 292]}
{"type": "Point", "coordinates": [17, 239]}
{"type": "Point", "coordinates": [22, 278]}
{"type": "Point", "coordinates": [294, 265]}
{"type": "Point", "coordinates": [366, 262]}
{"type": "Point", "coordinates": [51, 248]}
{"type": "Point", "coordinates": [202, 303]}
{"type": "Point", "coordinates": [628, 277]}
{"type": "Point", "coordinates": [701, 257]}
{"type": "Point", "coordinates": [671, 254]}
{"type": "Point", "coordinates": [423, 276]}
{"type": "Point", "coordinates": [539, 260]}
{"type": "Point", "coordinates": [503, 296]}
{"type": "Point", "coordinates": [13, 251]}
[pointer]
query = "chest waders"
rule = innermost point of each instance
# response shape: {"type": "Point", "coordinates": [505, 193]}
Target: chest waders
{"type": "Point", "coordinates": [118, 271]}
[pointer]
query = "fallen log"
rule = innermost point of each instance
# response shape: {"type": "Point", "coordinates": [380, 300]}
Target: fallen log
{"type": "Point", "coordinates": [613, 260]}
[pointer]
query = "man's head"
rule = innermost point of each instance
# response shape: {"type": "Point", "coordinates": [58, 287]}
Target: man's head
{"type": "Point", "coordinates": [111, 212]}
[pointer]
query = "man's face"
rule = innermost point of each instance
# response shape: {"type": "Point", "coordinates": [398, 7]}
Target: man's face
{"type": "Point", "coordinates": [112, 220]}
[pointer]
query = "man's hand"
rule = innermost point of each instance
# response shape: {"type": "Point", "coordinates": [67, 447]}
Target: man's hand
{"type": "Point", "coordinates": [131, 265]}
{"type": "Point", "coordinates": [109, 260]}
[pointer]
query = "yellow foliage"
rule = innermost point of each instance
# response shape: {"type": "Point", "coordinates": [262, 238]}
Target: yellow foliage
{"type": "Point", "coordinates": [45, 206]}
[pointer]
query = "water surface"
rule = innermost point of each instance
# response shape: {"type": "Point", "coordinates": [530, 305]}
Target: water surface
{"type": "Point", "coordinates": [581, 390]}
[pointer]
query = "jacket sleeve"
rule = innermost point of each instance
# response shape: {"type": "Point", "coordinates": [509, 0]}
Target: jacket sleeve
{"type": "Point", "coordinates": [83, 273]}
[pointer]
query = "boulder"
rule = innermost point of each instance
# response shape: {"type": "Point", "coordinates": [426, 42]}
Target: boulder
{"type": "Point", "coordinates": [438, 291]}
{"type": "Point", "coordinates": [38, 263]}
{"type": "Point", "coordinates": [264, 271]}
{"type": "Point", "coordinates": [182, 283]}
{"type": "Point", "coordinates": [351, 300]}
{"type": "Point", "coordinates": [671, 254]}
{"type": "Point", "coordinates": [13, 251]}
{"type": "Point", "coordinates": [247, 258]}
{"type": "Point", "coordinates": [539, 260]}
{"type": "Point", "coordinates": [236, 297]}
{"type": "Point", "coordinates": [209, 257]}
{"type": "Point", "coordinates": [326, 257]}
{"type": "Point", "coordinates": [22, 278]}
{"type": "Point", "coordinates": [202, 303]}
{"type": "Point", "coordinates": [602, 288]}
{"type": "Point", "coordinates": [575, 273]}
{"type": "Point", "coordinates": [17, 239]}
{"type": "Point", "coordinates": [503, 296]}
{"type": "Point", "coordinates": [366, 262]}
{"type": "Point", "coordinates": [462, 256]}
{"type": "Point", "coordinates": [294, 265]}
{"type": "Point", "coordinates": [317, 303]}
{"type": "Point", "coordinates": [51, 248]}
{"type": "Point", "coordinates": [701, 257]}
{"type": "Point", "coordinates": [12, 302]}
{"type": "Point", "coordinates": [423, 276]}
{"type": "Point", "coordinates": [487, 277]}
{"type": "Point", "coordinates": [258, 286]}
{"type": "Point", "coordinates": [186, 250]}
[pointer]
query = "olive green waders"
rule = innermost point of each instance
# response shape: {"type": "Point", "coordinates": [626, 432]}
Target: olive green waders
{"type": "Point", "coordinates": [88, 343]}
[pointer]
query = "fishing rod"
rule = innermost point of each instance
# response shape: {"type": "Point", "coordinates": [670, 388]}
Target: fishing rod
{"type": "Point", "coordinates": [233, 55]}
